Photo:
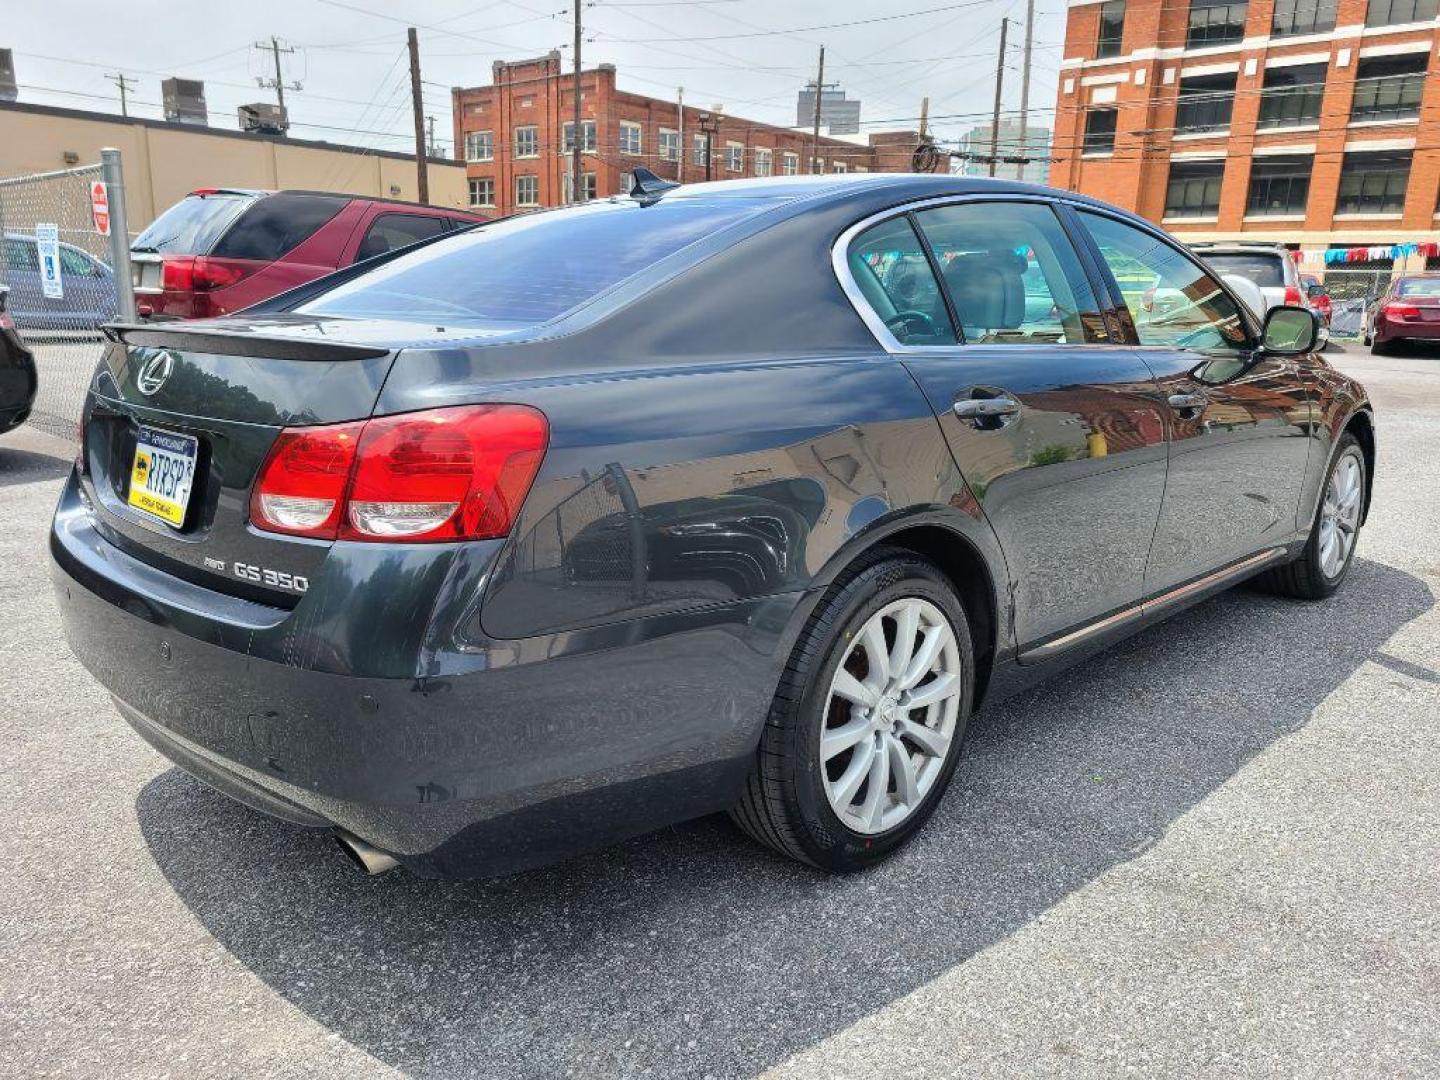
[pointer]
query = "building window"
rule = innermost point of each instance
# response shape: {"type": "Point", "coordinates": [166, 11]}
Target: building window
{"type": "Point", "coordinates": [734, 157]}
{"type": "Point", "coordinates": [479, 146]}
{"type": "Point", "coordinates": [1389, 87]}
{"type": "Point", "coordinates": [631, 141]}
{"type": "Point", "coordinates": [1215, 22]}
{"type": "Point", "coordinates": [482, 191]}
{"type": "Point", "coordinates": [1291, 96]}
{"type": "Point", "coordinates": [1303, 17]}
{"type": "Point", "coordinates": [669, 145]}
{"type": "Point", "coordinates": [697, 150]}
{"type": "Point", "coordinates": [527, 191]}
{"type": "Point", "coordinates": [527, 142]}
{"type": "Point", "coordinates": [1194, 189]}
{"type": "Point", "coordinates": [587, 127]}
{"type": "Point", "coordinates": [1100, 131]}
{"type": "Point", "coordinates": [839, 167]}
{"type": "Point", "coordinates": [1278, 185]}
{"type": "Point", "coordinates": [627, 181]}
{"type": "Point", "coordinates": [590, 188]}
{"type": "Point", "coordinates": [764, 161]}
{"type": "Point", "coordinates": [1373, 183]}
{"type": "Point", "coordinates": [789, 164]}
{"type": "Point", "coordinates": [1112, 29]}
{"type": "Point", "coordinates": [1204, 104]}
{"type": "Point", "coordinates": [1398, 12]}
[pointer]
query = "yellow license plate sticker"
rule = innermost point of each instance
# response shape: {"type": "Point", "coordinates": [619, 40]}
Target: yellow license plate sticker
{"type": "Point", "coordinates": [161, 474]}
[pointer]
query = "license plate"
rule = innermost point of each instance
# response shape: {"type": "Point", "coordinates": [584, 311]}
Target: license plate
{"type": "Point", "coordinates": [161, 474]}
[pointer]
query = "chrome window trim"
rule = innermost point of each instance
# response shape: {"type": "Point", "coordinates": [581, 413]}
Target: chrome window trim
{"type": "Point", "coordinates": [840, 263]}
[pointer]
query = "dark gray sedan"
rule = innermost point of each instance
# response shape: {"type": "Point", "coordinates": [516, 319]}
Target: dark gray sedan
{"type": "Point", "coordinates": [736, 496]}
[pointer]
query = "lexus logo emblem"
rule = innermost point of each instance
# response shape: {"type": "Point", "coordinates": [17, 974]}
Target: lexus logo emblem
{"type": "Point", "coordinates": [153, 375]}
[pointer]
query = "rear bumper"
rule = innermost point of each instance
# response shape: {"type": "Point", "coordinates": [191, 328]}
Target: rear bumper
{"type": "Point", "coordinates": [541, 749]}
{"type": "Point", "coordinates": [1429, 330]}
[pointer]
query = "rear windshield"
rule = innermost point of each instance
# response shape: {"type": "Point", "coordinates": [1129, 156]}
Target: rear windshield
{"type": "Point", "coordinates": [276, 224]}
{"type": "Point", "coordinates": [1264, 270]}
{"type": "Point", "coordinates": [1420, 287]}
{"type": "Point", "coordinates": [192, 225]}
{"type": "Point", "coordinates": [530, 269]}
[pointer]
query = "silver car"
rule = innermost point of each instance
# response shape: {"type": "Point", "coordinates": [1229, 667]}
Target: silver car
{"type": "Point", "coordinates": [1270, 266]}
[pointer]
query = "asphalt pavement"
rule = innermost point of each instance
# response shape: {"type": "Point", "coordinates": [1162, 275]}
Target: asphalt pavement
{"type": "Point", "coordinates": [1214, 851]}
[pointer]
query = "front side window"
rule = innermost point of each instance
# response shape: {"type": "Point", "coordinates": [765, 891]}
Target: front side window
{"type": "Point", "coordinates": [20, 255]}
{"type": "Point", "coordinates": [790, 164]}
{"type": "Point", "coordinates": [891, 269]}
{"type": "Point", "coordinates": [1389, 87]}
{"type": "Point", "coordinates": [764, 161]}
{"type": "Point", "coordinates": [479, 146]}
{"type": "Point", "coordinates": [1204, 104]}
{"type": "Point", "coordinates": [1100, 131]}
{"type": "Point", "coordinates": [1303, 17]}
{"type": "Point", "coordinates": [1011, 273]}
{"type": "Point", "coordinates": [1193, 189]}
{"type": "Point", "coordinates": [1373, 183]}
{"type": "Point", "coordinates": [1172, 300]}
{"type": "Point", "coordinates": [527, 141]}
{"type": "Point", "coordinates": [1215, 22]}
{"type": "Point", "coordinates": [527, 191]}
{"type": "Point", "coordinates": [669, 143]}
{"type": "Point", "coordinates": [734, 157]}
{"type": "Point", "coordinates": [482, 191]}
{"type": "Point", "coordinates": [1278, 185]}
{"type": "Point", "coordinates": [1291, 96]}
{"type": "Point", "coordinates": [631, 139]}
{"type": "Point", "coordinates": [1112, 29]}
{"type": "Point", "coordinates": [1399, 12]}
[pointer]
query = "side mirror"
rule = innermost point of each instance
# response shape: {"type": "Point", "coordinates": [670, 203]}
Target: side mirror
{"type": "Point", "coordinates": [1316, 289]}
{"type": "Point", "coordinates": [1290, 331]}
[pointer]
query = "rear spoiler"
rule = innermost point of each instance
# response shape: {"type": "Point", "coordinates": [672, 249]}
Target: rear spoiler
{"type": "Point", "coordinates": [236, 342]}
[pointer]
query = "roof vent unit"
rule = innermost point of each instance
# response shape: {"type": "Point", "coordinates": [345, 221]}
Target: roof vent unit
{"type": "Point", "coordinates": [263, 118]}
{"type": "Point", "coordinates": [8, 89]}
{"type": "Point", "coordinates": [184, 101]}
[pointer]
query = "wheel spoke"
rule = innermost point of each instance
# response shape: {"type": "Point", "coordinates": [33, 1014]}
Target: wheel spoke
{"type": "Point", "coordinates": [937, 689]}
{"type": "Point", "coordinates": [852, 689]}
{"type": "Point", "coordinates": [907, 625]}
{"type": "Point", "coordinates": [924, 657]}
{"type": "Point", "coordinates": [907, 786]}
{"type": "Point", "coordinates": [854, 775]}
{"type": "Point", "coordinates": [837, 740]}
{"type": "Point", "coordinates": [876, 790]}
{"type": "Point", "coordinates": [927, 738]}
{"type": "Point", "coordinates": [872, 639]}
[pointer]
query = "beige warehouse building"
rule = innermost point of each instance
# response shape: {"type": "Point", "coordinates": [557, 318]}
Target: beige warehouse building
{"type": "Point", "coordinates": [164, 161]}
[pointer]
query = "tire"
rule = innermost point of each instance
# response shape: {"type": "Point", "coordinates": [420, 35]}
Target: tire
{"type": "Point", "coordinates": [789, 799]}
{"type": "Point", "coordinates": [1306, 577]}
{"type": "Point", "coordinates": [1382, 348]}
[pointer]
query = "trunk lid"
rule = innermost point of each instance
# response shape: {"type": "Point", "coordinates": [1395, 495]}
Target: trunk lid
{"type": "Point", "coordinates": [202, 404]}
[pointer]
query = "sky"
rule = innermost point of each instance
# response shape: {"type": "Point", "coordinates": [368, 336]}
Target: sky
{"type": "Point", "coordinates": [750, 56]}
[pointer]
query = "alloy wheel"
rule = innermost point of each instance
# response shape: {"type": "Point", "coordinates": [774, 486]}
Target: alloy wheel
{"type": "Point", "coordinates": [891, 715]}
{"type": "Point", "coordinates": [1340, 513]}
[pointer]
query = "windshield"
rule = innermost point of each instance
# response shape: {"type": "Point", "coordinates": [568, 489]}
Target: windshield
{"type": "Point", "coordinates": [1420, 287]}
{"type": "Point", "coordinates": [1263, 270]}
{"type": "Point", "coordinates": [192, 225]}
{"type": "Point", "coordinates": [529, 269]}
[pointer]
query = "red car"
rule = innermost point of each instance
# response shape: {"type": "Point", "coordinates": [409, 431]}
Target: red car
{"type": "Point", "coordinates": [1317, 297]}
{"type": "Point", "coordinates": [219, 250]}
{"type": "Point", "coordinates": [1409, 310]}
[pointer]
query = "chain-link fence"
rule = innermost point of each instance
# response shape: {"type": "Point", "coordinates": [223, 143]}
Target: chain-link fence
{"type": "Point", "coordinates": [59, 269]}
{"type": "Point", "coordinates": [1351, 291]}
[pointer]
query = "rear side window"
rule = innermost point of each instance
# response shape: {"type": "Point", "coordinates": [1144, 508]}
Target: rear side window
{"type": "Point", "coordinates": [20, 255]}
{"type": "Point", "coordinates": [276, 225]}
{"type": "Point", "coordinates": [192, 225]}
{"type": "Point", "coordinates": [390, 231]}
{"type": "Point", "coordinates": [529, 269]}
{"type": "Point", "coordinates": [892, 270]}
{"type": "Point", "coordinates": [1263, 270]}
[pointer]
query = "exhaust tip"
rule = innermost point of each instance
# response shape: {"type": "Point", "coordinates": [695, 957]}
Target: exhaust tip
{"type": "Point", "coordinates": [367, 857]}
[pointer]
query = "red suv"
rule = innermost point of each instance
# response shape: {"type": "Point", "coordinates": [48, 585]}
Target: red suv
{"type": "Point", "coordinates": [219, 250]}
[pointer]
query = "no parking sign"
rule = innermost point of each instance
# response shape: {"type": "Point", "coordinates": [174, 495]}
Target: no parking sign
{"type": "Point", "coordinates": [100, 207]}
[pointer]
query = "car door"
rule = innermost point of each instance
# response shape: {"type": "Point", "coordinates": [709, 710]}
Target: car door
{"type": "Point", "coordinates": [1238, 418]}
{"type": "Point", "coordinates": [1056, 428]}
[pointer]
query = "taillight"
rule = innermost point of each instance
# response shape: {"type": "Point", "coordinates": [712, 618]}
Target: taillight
{"type": "Point", "coordinates": [1292, 295]}
{"type": "Point", "coordinates": [212, 273]}
{"type": "Point", "coordinates": [177, 273]}
{"type": "Point", "coordinates": [1402, 311]}
{"type": "Point", "coordinates": [6, 323]}
{"type": "Point", "coordinates": [443, 474]}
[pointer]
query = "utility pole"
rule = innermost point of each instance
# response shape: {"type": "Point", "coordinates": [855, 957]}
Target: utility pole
{"type": "Point", "coordinates": [417, 103]}
{"type": "Point", "coordinates": [124, 83]}
{"type": "Point", "coordinates": [577, 181]}
{"type": "Point", "coordinates": [430, 147]}
{"type": "Point", "coordinates": [680, 134]}
{"type": "Point", "coordinates": [1025, 86]}
{"type": "Point", "coordinates": [924, 117]}
{"type": "Point", "coordinates": [815, 127]}
{"type": "Point", "coordinates": [277, 84]}
{"type": "Point", "coordinates": [709, 124]}
{"type": "Point", "coordinates": [999, 89]}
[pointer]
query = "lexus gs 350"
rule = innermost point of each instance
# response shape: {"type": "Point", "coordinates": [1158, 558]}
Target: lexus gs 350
{"type": "Point", "coordinates": [737, 496]}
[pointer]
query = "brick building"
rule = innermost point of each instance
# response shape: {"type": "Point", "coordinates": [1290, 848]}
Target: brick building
{"type": "Point", "coordinates": [1309, 122]}
{"type": "Point", "coordinates": [515, 138]}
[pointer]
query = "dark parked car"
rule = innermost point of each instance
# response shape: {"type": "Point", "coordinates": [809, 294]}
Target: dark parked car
{"type": "Point", "coordinates": [88, 297]}
{"type": "Point", "coordinates": [18, 383]}
{"type": "Point", "coordinates": [1409, 310]}
{"type": "Point", "coordinates": [219, 250]}
{"type": "Point", "coordinates": [596, 519]}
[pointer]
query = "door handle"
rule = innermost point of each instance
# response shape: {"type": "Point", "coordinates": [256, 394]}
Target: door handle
{"type": "Point", "coordinates": [1187, 402]}
{"type": "Point", "coordinates": [995, 408]}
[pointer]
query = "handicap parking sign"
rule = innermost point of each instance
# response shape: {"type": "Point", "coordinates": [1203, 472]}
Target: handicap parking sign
{"type": "Point", "coordinates": [47, 247]}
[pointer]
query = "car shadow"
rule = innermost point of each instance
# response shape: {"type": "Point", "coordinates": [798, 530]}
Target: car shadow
{"type": "Point", "coordinates": [27, 467]}
{"type": "Point", "coordinates": [692, 951]}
